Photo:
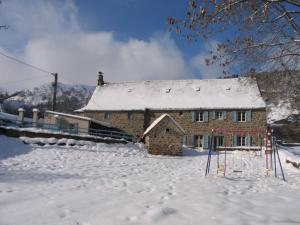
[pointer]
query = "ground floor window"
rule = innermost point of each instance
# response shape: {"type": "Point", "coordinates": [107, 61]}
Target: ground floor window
{"type": "Point", "coordinates": [241, 140]}
{"type": "Point", "coordinates": [198, 141]}
{"type": "Point", "coordinates": [219, 141]}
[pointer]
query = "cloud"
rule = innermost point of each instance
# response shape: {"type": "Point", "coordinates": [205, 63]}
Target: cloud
{"type": "Point", "coordinates": [48, 35]}
{"type": "Point", "coordinates": [199, 65]}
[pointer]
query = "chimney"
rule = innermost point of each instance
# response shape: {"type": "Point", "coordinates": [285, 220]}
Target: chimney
{"type": "Point", "coordinates": [35, 117]}
{"type": "Point", "coordinates": [21, 116]}
{"type": "Point", "coordinates": [100, 79]}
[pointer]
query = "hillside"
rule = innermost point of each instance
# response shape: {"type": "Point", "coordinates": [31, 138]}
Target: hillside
{"type": "Point", "coordinates": [69, 97]}
{"type": "Point", "coordinates": [281, 92]}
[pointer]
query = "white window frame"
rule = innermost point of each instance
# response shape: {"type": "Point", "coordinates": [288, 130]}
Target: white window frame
{"type": "Point", "coordinates": [199, 117]}
{"type": "Point", "coordinates": [241, 141]}
{"type": "Point", "coordinates": [218, 140]}
{"type": "Point", "coordinates": [241, 116]}
{"type": "Point", "coordinates": [199, 141]}
{"type": "Point", "coordinates": [219, 115]}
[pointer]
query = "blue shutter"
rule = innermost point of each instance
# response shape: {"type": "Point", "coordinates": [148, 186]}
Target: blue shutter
{"type": "Point", "coordinates": [248, 140]}
{"type": "Point", "coordinates": [205, 114]}
{"type": "Point", "coordinates": [234, 116]}
{"type": "Point", "coordinates": [193, 117]}
{"type": "Point", "coordinates": [213, 115]}
{"type": "Point", "coordinates": [224, 115]}
{"type": "Point", "coordinates": [234, 140]}
{"type": "Point", "coordinates": [205, 142]}
{"type": "Point", "coordinates": [248, 116]}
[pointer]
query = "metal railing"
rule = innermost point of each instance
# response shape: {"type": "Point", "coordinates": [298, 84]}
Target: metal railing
{"type": "Point", "coordinates": [74, 130]}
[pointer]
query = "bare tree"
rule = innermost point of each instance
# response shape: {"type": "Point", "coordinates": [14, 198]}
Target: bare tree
{"type": "Point", "coordinates": [260, 34]}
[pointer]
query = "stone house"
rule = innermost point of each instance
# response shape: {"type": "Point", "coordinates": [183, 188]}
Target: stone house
{"type": "Point", "coordinates": [234, 107]}
{"type": "Point", "coordinates": [164, 136]}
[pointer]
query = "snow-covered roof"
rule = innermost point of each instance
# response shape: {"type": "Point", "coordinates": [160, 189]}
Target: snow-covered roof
{"type": "Point", "coordinates": [78, 117]}
{"type": "Point", "coordinates": [234, 93]}
{"type": "Point", "coordinates": [155, 122]}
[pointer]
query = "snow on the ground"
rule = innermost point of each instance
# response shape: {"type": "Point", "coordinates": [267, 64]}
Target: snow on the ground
{"type": "Point", "coordinates": [291, 154]}
{"type": "Point", "coordinates": [100, 184]}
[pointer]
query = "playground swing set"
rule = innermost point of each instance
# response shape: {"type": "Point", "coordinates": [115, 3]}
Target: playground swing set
{"type": "Point", "coordinates": [266, 143]}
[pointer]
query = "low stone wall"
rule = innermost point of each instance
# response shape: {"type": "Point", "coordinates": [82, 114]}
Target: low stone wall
{"type": "Point", "coordinates": [14, 132]}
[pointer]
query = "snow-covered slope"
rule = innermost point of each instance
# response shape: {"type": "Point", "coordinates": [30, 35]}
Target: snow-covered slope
{"type": "Point", "coordinates": [69, 98]}
{"type": "Point", "coordinates": [43, 94]}
{"type": "Point", "coordinates": [279, 111]}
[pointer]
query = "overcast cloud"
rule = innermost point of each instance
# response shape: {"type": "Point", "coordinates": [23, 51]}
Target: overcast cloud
{"type": "Point", "coordinates": [49, 36]}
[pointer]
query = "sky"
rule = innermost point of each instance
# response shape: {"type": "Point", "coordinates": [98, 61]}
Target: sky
{"type": "Point", "coordinates": [127, 40]}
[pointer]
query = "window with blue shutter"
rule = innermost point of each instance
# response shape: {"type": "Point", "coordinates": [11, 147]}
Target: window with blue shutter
{"type": "Point", "coordinates": [205, 141]}
{"type": "Point", "coordinates": [234, 116]}
{"type": "Point", "coordinates": [193, 117]}
{"type": "Point", "coordinates": [224, 115]}
{"type": "Point", "coordinates": [248, 116]}
{"type": "Point", "coordinates": [213, 115]}
{"type": "Point", "coordinates": [205, 113]}
{"type": "Point", "coordinates": [234, 140]}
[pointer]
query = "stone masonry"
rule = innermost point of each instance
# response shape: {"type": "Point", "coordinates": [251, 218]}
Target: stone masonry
{"type": "Point", "coordinates": [140, 120]}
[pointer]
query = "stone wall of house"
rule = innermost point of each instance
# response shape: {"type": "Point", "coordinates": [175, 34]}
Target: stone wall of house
{"type": "Point", "coordinates": [160, 141]}
{"type": "Point", "coordinates": [258, 122]}
{"type": "Point", "coordinates": [120, 119]}
{"type": "Point", "coordinates": [141, 120]}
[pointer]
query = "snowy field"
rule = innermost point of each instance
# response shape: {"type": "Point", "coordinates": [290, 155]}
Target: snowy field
{"type": "Point", "coordinates": [99, 184]}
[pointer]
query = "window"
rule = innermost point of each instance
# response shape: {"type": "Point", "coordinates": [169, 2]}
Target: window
{"type": "Point", "coordinates": [129, 115]}
{"type": "Point", "coordinates": [180, 113]}
{"type": "Point", "coordinates": [219, 115]}
{"type": "Point", "coordinates": [198, 141]}
{"type": "Point", "coordinates": [219, 141]}
{"type": "Point", "coordinates": [106, 115]}
{"type": "Point", "coordinates": [241, 116]}
{"type": "Point", "coordinates": [199, 116]}
{"type": "Point", "coordinates": [167, 130]}
{"type": "Point", "coordinates": [241, 141]}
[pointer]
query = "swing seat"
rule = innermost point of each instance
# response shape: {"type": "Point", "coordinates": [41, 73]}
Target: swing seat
{"type": "Point", "coordinates": [221, 168]}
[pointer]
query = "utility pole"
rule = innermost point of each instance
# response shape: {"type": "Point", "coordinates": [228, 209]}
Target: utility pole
{"type": "Point", "coordinates": [54, 91]}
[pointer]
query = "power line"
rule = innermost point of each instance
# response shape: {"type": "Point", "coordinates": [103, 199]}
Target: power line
{"type": "Point", "coordinates": [26, 64]}
{"type": "Point", "coordinates": [22, 80]}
